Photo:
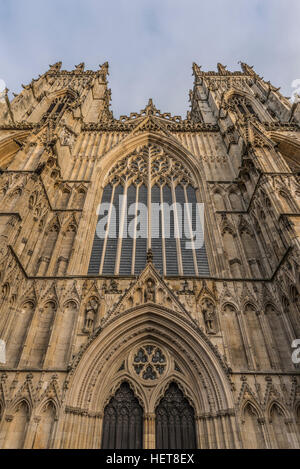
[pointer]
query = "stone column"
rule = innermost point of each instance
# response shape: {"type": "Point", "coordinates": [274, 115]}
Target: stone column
{"type": "Point", "coordinates": [149, 431]}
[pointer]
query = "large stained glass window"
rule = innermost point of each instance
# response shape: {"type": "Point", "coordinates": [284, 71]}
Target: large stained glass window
{"type": "Point", "coordinates": [149, 201]}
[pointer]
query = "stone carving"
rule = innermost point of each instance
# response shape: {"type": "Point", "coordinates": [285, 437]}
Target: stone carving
{"type": "Point", "coordinates": [90, 315]}
{"type": "Point", "coordinates": [209, 314]}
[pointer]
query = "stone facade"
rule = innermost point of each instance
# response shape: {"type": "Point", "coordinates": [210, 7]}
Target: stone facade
{"type": "Point", "coordinates": [76, 341]}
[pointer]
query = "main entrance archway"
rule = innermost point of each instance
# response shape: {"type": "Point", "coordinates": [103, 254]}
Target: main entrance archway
{"type": "Point", "coordinates": [151, 348]}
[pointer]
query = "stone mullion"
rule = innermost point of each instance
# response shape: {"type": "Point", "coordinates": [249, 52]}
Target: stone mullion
{"type": "Point", "coordinates": [149, 238]}
{"type": "Point", "coordinates": [134, 234]}
{"type": "Point", "coordinates": [190, 228]}
{"type": "Point", "coordinates": [107, 229]}
{"type": "Point", "coordinates": [176, 231]}
{"type": "Point", "coordinates": [123, 219]}
{"type": "Point", "coordinates": [149, 431]}
{"type": "Point", "coordinates": [163, 245]}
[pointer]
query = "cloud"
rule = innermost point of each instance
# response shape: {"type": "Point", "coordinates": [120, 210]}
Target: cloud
{"type": "Point", "coordinates": [150, 44]}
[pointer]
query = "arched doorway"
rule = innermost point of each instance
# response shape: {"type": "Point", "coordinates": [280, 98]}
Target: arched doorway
{"type": "Point", "coordinates": [123, 421]}
{"type": "Point", "coordinates": [175, 421]}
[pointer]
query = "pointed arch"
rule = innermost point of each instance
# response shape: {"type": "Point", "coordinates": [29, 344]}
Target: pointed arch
{"type": "Point", "coordinates": [254, 108]}
{"type": "Point", "coordinates": [203, 374]}
{"type": "Point", "coordinates": [175, 177]}
{"type": "Point", "coordinates": [252, 434]}
{"type": "Point", "coordinates": [277, 419]}
{"type": "Point", "coordinates": [46, 421]}
{"type": "Point", "coordinates": [123, 421]}
{"type": "Point", "coordinates": [16, 428]}
{"type": "Point", "coordinates": [175, 420]}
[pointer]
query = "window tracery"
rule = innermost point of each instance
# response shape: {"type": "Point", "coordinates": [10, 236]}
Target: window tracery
{"type": "Point", "coordinates": [149, 362]}
{"type": "Point", "coordinates": [152, 178]}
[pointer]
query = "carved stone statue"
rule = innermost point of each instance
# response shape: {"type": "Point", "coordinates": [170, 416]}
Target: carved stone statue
{"type": "Point", "coordinates": [208, 310]}
{"type": "Point", "coordinates": [90, 315]}
{"type": "Point", "coordinates": [149, 293]}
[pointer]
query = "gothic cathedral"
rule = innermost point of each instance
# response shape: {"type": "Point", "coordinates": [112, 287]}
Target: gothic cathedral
{"type": "Point", "coordinates": [118, 341]}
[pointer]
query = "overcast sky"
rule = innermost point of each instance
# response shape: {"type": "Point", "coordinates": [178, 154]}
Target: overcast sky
{"type": "Point", "coordinates": [150, 44]}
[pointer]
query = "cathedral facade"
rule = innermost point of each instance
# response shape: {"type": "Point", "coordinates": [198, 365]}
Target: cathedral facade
{"type": "Point", "coordinates": [117, 341]}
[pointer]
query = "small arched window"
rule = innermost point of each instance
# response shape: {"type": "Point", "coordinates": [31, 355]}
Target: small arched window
{"type": "Point", "coordinates": [57, 107]}
{"type": "Point", "coordinates": [242, 106]}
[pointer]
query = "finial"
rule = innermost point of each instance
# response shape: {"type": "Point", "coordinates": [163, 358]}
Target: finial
{"type": "Point", "coordinates": [55, 67]}
{"type": "Point", "coordinates": [246, 68]}
{"type": "Point", "coordinates": [196, 68]}
{"type": "Point", "coordinates": [79, 67]}
{"type": "Point", "coordinates": [149, 256]}
{"type": "Point", "coordinates": [150, 108]}
{"type": "Point", "coordinates": [222, 68]}
{"type": "Point", "coordinates": [104, 67]}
